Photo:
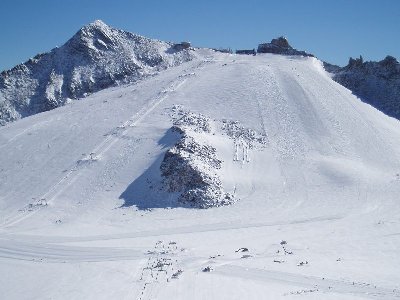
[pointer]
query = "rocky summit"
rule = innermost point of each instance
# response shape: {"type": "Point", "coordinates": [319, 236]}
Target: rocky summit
{"type": "Point", "coordinates": [96, 57]}
{"type": "Point", "coordinates": [376, 83]}
{"type": "Point", "coordinates": [281, 46]}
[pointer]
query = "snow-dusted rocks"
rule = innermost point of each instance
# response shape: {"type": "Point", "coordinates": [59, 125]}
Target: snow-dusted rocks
{"type": "Point", "coordinates": [189, 168]}
{"type": "Point", "coordinates": [377, 83]}
{"type": "Point", "coordinates": [280, 46]}
{"type": "Point", "coordinates": [238, 132]}
{"type": "Point", "coordinates": [196, 122]}
{"type": "Point", "coordinates": [96, 57]}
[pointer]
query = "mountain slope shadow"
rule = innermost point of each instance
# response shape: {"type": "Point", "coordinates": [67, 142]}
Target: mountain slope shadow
{"type": "Point", "coordinates": [146, 191]}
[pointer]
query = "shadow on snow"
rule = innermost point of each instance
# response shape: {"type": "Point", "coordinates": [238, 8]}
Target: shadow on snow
{"type": "Point", "coordinates": [146, 192]}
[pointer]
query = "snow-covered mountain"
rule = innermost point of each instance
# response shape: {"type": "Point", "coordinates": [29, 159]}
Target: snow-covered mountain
{"type": "Point", "coordinates": [99, 199]}
{"type": "Point", "coordinates": [99, 56]}
{"type": "Point", "coordinates": [376, 83]}
{"type": "Point", "coordinates": [96, 57]}
{"type": "Point", "coordinates": [222, 176]}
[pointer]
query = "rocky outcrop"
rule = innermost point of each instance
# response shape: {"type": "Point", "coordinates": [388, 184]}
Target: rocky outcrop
{"type": "Point", "coordinates": [281, 42]}
{"type": "Point", "coordinates": [246, 52]}
{"type": "Point", "coordinates": [376, 83]}
{"type": "Point", "coordinates": [236, 131]}
{"type": "Point", "coordinates": [181, 46]}
{"type": "Point", "coordinates": [96, 57]}
{"type": "Point", "coordinates": [190, 167]}
{"type": "Point", "coordinates": [280, 46]}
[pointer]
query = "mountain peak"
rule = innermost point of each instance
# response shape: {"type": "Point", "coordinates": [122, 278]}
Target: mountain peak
{"type": "Point", "coordinates": [98, 23]}
{"type": "Point", "coordinates": [95, 26]}
{"type": "Point", "coordinates": [90, 35]}
{"type": "Point", "coordinates": [281, 46]}
{"type": "Point", "coordinates": [281, 42]}
{"type": "Point", "coordinates": [96, 57]}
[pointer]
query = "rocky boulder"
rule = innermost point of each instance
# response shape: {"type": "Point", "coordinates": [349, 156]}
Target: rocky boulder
{"type": "Point", "coordinates": [190, 167]}
{"type": "Point", "coordinates": [280, 46]}
{"type": "Point", "coordinates": [281, 42]}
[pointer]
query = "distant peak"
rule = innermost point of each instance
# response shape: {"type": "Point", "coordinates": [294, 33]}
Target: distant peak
{"type": "Point", "coordinates": [281, 42]}
{"type": "Point", "coordinates": [280, 45]}
{"type": "Point", "coordinates": [96, 34]}
{"type": "Point", "coordinates": [98, 24]}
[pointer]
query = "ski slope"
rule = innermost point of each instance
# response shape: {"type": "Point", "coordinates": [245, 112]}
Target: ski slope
{"type": "Point", "coordinates": [83, 214]}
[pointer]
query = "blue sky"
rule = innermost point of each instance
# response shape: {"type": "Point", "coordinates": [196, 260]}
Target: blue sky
{"type": "Point", "coordinates": [332, 30]}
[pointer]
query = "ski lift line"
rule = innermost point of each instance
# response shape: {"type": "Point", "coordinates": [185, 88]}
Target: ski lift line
{"type": "Point", "coordinates": [29, 129]}
{"type": "Point", "coordinates": [59, 191]}
{"type": "Point", "coordinates": [105, 145]}
{"type": "Point", "coordinates": [140, 115]}
{"type": "Point", "coordinates": [108, 143]}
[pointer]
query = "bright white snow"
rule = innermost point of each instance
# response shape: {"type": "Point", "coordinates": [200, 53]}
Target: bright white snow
{"type": "Point", "coordinates": [82, 215]}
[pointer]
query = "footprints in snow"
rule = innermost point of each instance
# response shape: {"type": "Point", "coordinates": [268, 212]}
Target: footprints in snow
{"type": "Point", "coordinates": [162, 266]}
{"type": "Point", "coordinates": [109, 139]}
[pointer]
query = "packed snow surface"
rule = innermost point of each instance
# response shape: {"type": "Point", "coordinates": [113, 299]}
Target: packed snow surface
{"type": "Point", "coordinates": [315, 174]}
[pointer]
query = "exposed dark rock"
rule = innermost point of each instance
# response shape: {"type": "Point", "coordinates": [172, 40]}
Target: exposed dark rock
{"type": "Point", "coordinates": [223, 50]}
{"type": "Point", "coordinates": [189, 168]}
{"type": "Point", "coordinates": [331, 68]}
{"type": "Point", "coordinates": [197, 122]}
{"type": "Point", "coordinates": [281, 42]}
{"type": "Point", "coordinates": [181, 46]}
{"type": "Point", "coordinates": [246, 52]}
{"type": "Point", "coordinates": [208, 269]}
{"type": "Point", "coordinates": [376, 83]}
{"type": "Point", "coordinates": [242, 250]}
{"type": "Point", "coordinates": [280, 46]}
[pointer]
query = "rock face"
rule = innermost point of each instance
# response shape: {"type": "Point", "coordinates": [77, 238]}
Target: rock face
{"type": "Point", "coordinates": [281, 42]}
{"type": "Point", "coordinates": [280, 46]}
{"type": "Point", "coordinates": [246, 52]}
{"type": "Point", "coordinates": [181, 46]}
{"type": "Point", "coordinates": [376, 83]}
{"type": "Point", "coordinates": [190, 167]}
{"type": "Point", "coordinates": [96, 57]}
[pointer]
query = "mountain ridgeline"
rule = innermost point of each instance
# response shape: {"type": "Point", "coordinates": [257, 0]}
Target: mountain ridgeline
{"type": "Point", "coordinates": [99, 56]}
{"type": "Point", "coordinates": [96, 57]}
{"type": "Point", "coordinates": [376, 83]}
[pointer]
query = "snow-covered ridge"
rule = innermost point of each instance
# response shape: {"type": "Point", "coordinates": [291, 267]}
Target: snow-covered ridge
{"type": "Point", "coordinates": [376, 83]}
{"type": "Point", "coordinates": [96, 57]}
{"type": "Point", "coordinates": [281, 46]}
{"type": "Point", "coordinates": [316, 175]}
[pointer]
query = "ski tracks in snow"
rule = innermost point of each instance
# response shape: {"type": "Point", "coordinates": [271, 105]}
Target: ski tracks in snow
{"type": "Point", "coordinates": [110, 139]}
{"type": "Point", "coordinates": [312, 283]}
{"type": "Point", "coordinates": [58, 253]}
{"type": "Point", "coordinates": [283, 130]}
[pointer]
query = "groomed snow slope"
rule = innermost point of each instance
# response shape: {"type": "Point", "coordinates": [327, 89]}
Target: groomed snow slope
{"type": "Point", "coordinates": [83, 214]}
